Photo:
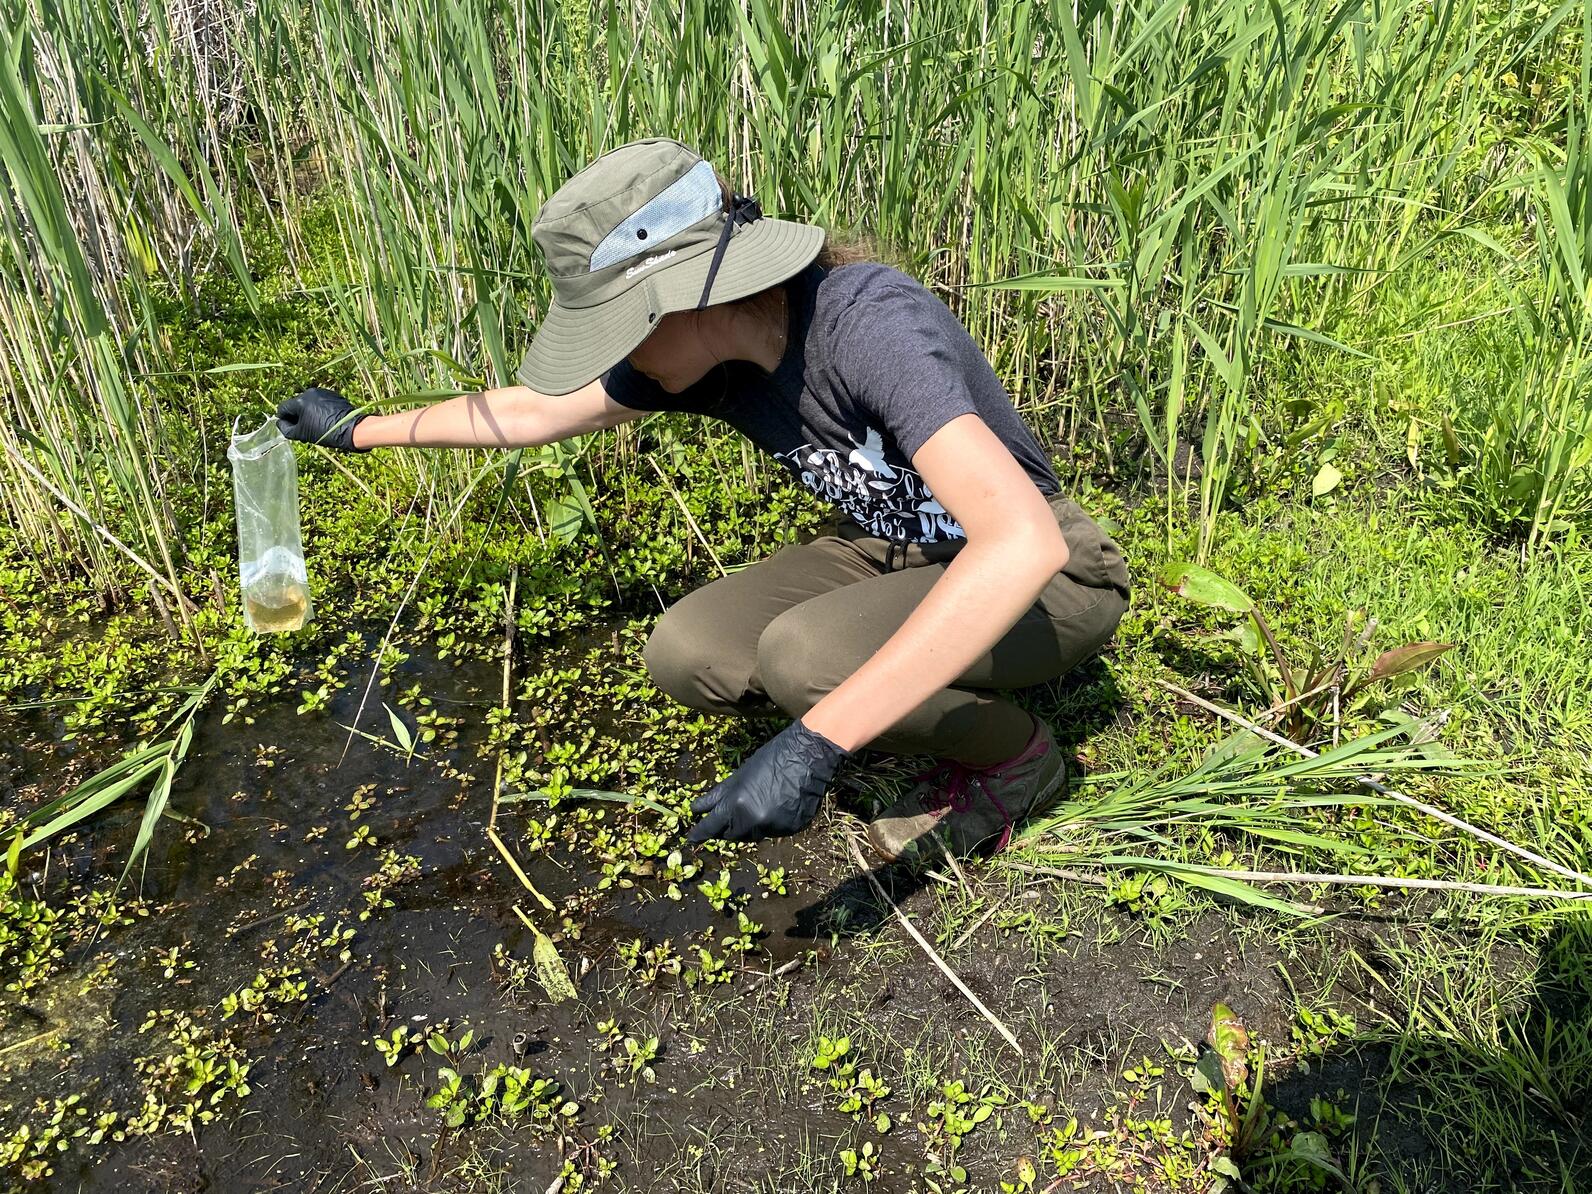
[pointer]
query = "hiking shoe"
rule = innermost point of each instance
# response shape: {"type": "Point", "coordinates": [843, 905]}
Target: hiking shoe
{"type": "Point", "coordinates": [966, 807]}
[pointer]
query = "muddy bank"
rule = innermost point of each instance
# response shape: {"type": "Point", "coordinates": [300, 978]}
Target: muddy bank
{"type": "Point", "coordinates": [362, 878]}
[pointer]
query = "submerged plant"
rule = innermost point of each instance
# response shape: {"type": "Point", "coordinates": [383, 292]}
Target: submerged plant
{"type": "Point", "coordinates": [156, 761]}
{"type": "Point", "coordinates": [508, 1093]}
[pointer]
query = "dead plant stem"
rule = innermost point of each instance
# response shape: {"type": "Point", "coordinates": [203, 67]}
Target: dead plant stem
{"type": "Point", "coordinates": [923, 944]}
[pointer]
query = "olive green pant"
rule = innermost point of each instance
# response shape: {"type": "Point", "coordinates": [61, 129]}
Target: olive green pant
{"type": "Point", "coordinates": [777, 635]}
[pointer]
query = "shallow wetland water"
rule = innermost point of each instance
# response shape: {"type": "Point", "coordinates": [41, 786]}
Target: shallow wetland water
{"type": "Point", "coordinates": [735, 1104]}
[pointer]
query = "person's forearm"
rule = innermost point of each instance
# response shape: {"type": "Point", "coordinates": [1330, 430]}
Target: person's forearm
{"type": "Point", "coordinates": [500, 418]}
{"type": "Point", "coordinates": [984, 590]}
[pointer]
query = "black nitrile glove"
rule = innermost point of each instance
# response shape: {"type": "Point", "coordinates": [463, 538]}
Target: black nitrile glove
{"type": "Point", "coordinates": [320, 416]}
{"type": "Point", "coordinates": [774, 793]}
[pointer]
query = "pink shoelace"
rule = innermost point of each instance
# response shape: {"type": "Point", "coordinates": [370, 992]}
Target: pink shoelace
{"type": "Point", "coordinates": [951, 786]}
{"type": "Point", "coordinates": [950, 790]}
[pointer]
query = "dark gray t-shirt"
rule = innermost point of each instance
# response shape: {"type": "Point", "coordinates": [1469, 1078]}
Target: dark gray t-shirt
{"type": "Point", "coordinates": [875, 365]}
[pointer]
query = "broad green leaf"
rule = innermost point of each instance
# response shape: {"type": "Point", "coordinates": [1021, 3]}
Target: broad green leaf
{"type": "Point", "coordinates": [155, 805]}
{"type": "Point", "coordinates": [91, 802]}
{"type": "Point", "coordinates": [550, 969]}
{"type": "Point", "coordinates": [1199, 584]}
{"type": "Point", "coordinates": [1230, 1041]}
{"type": "Point", "coordinates": [400, 731]}
{"type": "Point", "coordinates": [1234, 889]}
{"type": "Point", "coordinates": [1327, 479]}
{"type": "Point", "coordinates": [1207, 1075]}
{"type": "Point", "coordinates": [564, 518]}
{"type": "Point", "coordinates": [1451, 447]}
{"type": "Point", "coordinates": [1210, 879]}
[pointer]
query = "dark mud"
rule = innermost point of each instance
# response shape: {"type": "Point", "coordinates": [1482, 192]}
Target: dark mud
{"type": "Point", "coordinates": [734, 1106]}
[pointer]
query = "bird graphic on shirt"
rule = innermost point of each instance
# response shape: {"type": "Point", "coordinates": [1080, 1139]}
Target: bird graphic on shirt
{"type": "Point", "coordinates": [869, 455]}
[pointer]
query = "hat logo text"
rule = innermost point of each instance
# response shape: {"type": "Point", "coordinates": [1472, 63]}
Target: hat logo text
{"type": "Point", "coordinates": [649, 263]}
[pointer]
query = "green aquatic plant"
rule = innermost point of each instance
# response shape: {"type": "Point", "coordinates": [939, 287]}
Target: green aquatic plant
{"type": "Point", "coordinates": [861, 1163]}
{"type": "Point", "coordinates": [859, 1089]}
{"type": "Point", "coordinates": [30, 946]}
{"type": "Point", "coordinates": [717, 891]}
{"type": "Point", "coordinates": [153, 762]}
{"type": "Point", "coordinates": [507, 1093]}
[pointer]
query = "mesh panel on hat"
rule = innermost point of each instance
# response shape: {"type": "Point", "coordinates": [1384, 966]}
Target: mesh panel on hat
{"type": "Point", "coordinates": [691, 197]}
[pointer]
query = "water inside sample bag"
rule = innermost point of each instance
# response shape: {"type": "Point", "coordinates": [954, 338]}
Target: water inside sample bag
{"type": "Point", "coordinates": [275, 584]}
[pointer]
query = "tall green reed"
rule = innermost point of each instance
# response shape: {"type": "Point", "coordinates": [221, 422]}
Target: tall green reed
{"type": "Point", "coordinates": [1130, 205]}
{"type": "Point", "coordinates": [1530, 446]}
{"type": "Point", "coordinates": [112, 150]}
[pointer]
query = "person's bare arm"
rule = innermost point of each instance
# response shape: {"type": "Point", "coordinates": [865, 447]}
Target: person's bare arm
{"type": "Point", "coordinates": [509, 417]}
{"type": "Point", "coordinates": [1013, 548]}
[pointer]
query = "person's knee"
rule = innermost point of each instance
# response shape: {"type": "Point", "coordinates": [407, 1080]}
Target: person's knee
{"type": "Point", "coordinates": [674, 656]}
{"type": "Point", "coordinates": [794, 662]}
{"type": "Point", "coordinates": [688, 661]}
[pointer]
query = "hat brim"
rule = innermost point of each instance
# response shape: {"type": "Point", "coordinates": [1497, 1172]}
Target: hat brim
{"type": "Point", "coordinates": [576, 345]}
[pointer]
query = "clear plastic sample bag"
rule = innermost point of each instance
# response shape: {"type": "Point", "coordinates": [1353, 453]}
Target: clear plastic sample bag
{"type": "Point", "coordinates": [276, 587]}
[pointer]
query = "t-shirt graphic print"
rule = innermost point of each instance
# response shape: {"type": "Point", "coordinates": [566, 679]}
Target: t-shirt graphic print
{"type": "Point", "coordinates": [874, 365]}
{"type": "Point", "coordinates": [887, 500]}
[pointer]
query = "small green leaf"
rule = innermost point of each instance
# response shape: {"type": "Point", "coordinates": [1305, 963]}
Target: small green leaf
{"type": "Point", "coordinates": [1226, 1167]}
{"type": "Point", "coordinates": [399, 730]}
{"type": "Point", "coordinates": [1207, 1075]}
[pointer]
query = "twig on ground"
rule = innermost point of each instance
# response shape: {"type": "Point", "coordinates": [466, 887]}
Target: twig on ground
{"type": "Point", "coordinates": [976, 926]}
{"type": "Point", "coordinates": [336, 974]}
{"type": "Point", "coordinates": [508, 667]}
{"type": "Point", "coordinates": [1060, 873]}
{"type": "Point", "coordinates": [23, 1044]}
{"type": "Point", "coordinates": [762, 976]}
{"type": "Point", "coordinates": [267, 919]}
{"type": "Point", "coordinates": [923, 944]}
{"type": "Point", "coordinates": [956, 867]}
{"type": "Point", "coordinates": [1382, 790]}
{"type": "Point", "coordinates": [519, 874]}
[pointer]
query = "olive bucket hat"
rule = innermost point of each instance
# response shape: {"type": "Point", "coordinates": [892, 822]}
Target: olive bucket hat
{"type": "Point", "coordinates": [640, 232]}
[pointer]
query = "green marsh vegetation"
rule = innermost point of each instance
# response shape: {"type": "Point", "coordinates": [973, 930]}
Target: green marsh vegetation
{"type": "Point", "coordinates": [1297, 293]}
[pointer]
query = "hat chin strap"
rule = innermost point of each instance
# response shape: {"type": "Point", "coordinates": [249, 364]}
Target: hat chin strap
{"type": "Point", "coordinates": [743, 210]}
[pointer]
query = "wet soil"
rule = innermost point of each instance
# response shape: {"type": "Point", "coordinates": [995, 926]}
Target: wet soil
{"type": "Point", "coordinates": [734, 1105]}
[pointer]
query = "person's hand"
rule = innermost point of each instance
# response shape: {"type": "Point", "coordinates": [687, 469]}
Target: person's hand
{"type": "Point", "coordinates": [774, 793]}
{"type": "Point", "coordinates": [320, 416]}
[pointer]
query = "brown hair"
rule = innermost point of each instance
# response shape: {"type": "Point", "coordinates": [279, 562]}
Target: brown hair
{"type": "Point", "coordinates": [848, 247]}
